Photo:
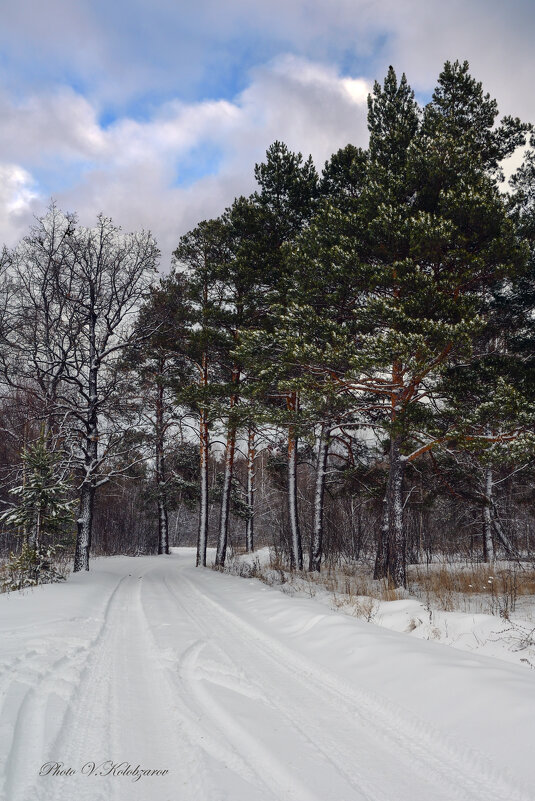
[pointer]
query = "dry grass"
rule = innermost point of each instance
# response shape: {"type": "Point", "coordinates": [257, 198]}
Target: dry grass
{"type": "Point", "coordinates": [353, 582]}
{"type": "Point", "coordinates": [362, 607]}
{"type": "Point", "coordinates": [445, 587]}
{"type": "Point", "coordinates": [351, 589]}
{"type": "Point", "coordinates": [487, 588]}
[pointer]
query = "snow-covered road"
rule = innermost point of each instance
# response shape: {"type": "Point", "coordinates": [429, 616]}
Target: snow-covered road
{"type": "Point", "coordinates": [235, 691]}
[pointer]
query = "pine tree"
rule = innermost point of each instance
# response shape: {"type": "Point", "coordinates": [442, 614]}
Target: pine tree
{"type": "Point", "coordinates": [199, 254]}
{"type": "Point", "coordinates": [289, 191]}
{"type": "Point", "coordinates": [435, 254]}
{"type": "Point", "coordinates": [160, 368]}
{"type": "Point", "coordinates": [245, 283]}
{"type": "Point", "coordinates": [409, 253]}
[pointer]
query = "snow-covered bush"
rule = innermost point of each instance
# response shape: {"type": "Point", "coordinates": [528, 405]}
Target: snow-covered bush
{"type": "Point", "coordinates": [30, 567]}
{"type": "Point", "coordinates": [42, 514]}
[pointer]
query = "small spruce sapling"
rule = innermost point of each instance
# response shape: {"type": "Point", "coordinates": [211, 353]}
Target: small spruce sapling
{"type": "Point", "coordinates": [43, 514]}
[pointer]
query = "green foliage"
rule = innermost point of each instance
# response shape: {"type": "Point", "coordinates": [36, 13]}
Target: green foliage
{"type": "Point", "coordinates": [387, 288]}
{"type": "Point", "coordinates": [43, 504]}
{"type": "Point", "coordinates": [288, 190]}
{"type": "Point", "coordinates": [183, 482]}
{"type": "Point", "coordinates": [343, 175]}
{"type": "Point", "coordinates": [30, 567]}
{"type": "Point", "coordinates": [43, 516]}
{"type": "Point", "coordinates": [393, 294]}
{"type": "Point", "coordinates": [393, 120]}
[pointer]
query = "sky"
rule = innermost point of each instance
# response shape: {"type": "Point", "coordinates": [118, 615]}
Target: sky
{"type": "Point", "coordinates": [154, 112]}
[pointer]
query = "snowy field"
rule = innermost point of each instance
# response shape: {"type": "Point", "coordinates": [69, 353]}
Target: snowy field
{"type": "Point", "coordinates": [228, 690]}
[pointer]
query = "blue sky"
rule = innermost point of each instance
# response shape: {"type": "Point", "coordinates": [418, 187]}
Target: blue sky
{"type": "Point", "coordinates": [155, 112]}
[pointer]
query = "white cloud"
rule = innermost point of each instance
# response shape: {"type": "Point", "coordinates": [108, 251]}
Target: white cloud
{"type": "Point", "coordinates": [495, 37]}
{"type": "Point", "coordinates": [357, 89]}
{"type": "Point", "coordinates": [129, 169]}
{"type": "Point", "coordinates": [61, 124]}
{"type": "Point", "coordinates": [120, 52]}
{"type": "Point", "coordinates": [17, 196]}
{"type": "Point", "coordinates": [16, 187]}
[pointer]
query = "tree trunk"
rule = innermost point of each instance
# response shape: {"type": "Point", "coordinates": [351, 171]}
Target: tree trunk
{"type": "Point", "coordinates": [296, 550]}
{"type": "Point", "coordinates": [202, 537]}
{"type": "Point", "coordinates": [249, 525]}
{"type": "Point", "coordinates": [204, 444]}
{"type": "Point", "coordinates": [381, 560]}
{"type": "Point", "coordinates": [37, 532]}
{"type": "Point", "coordinates": [488, 544]}
{"type": "Point", "coordinates": [222, 540]}
{"type": "Point", "coordinates": [87, 493]}
{"type": "Point", "coordinates": [25, 536]}
{"type": "Point", "coordinates": [396, 540]}
{"type": "Point", "coordinates": [391, 558]}
{"type": "Point", "coordinates": [85, 525]}
{"type": "Point", "coordinates": [502, 536]}
{"type": "Point", "coordinates": [163, 525]}
{"type": "Point", "coordinates": [316, 545]}
{"type": "Point", "coordinates": [32, 536]}
{"type": "Point", "coordinates": [230, 449]}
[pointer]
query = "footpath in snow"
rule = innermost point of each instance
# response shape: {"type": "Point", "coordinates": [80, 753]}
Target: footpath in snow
{"type": "Point", "coordinates": [223, 689]}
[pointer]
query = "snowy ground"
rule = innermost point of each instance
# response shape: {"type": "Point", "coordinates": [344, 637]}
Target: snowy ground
{"type": "Point", "coordinates": [242, 693]}
{"type": "Point", "coordinates": [511, 639]}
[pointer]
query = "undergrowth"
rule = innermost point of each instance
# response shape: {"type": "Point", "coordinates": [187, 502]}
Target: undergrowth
{"type": "Point", "coordinates": [485, 588]}
{"type": "Point", "coordinates": [33, 566]}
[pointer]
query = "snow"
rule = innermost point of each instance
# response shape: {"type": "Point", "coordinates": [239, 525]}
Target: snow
{"type": "Point", "coordinates": [511, 639]}
{"type": "Point", "coordinates": [240, 692]}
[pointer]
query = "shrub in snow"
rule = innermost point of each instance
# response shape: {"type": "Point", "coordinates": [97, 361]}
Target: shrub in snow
{"type": "Point", "coordinates": [30, 567]}
{"type": "Point", "coordinates": [42, 514]}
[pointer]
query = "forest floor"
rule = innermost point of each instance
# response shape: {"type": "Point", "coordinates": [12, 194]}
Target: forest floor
{"type": "Point", "coordinates": [242, 693]}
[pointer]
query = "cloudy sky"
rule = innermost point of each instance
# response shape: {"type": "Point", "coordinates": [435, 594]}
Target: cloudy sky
{"type": "Point", "coordinates": [155, 111]}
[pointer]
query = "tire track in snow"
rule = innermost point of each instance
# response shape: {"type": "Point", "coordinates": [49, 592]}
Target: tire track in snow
{"type": "Point", "coordinates": [432, 754]}
{"type": "Point", "coordinates": [183, 697]}
{"type": "Point", "coordinates": [122, 712]}
{"type": "Point", "coordinates": [199, 725]}
{"type": "Point", "coordinates": [333, 753]}
{"type": "Point", "coordinates": [274, 774]}
{"type": "Point", "coordinates": [296, 705]}
{"type": "Point", "coordinates": [28, 668]}
{"type": "Point", "coordinates": [33, 696]}
{"type": "Point", "coordinates": [466, 774]}
{"type": "Point", "coordinates": [28, 741]}
{"type": "Point", "coordinates": [330, 753]}
{"type": "Point", "coordinates": [126, 671]}
{"type": "Point", "coordinates": [202, 743]}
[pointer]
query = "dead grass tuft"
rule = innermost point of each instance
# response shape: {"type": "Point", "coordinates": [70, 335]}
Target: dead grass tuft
{"type": "Point", "coordinates": [493, 589]}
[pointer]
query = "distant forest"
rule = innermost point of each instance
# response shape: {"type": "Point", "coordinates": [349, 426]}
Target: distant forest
{"type": "Point", "coordinates": [340, 366]}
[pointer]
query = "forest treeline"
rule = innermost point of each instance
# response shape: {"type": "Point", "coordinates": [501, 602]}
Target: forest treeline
{"type": "Point", "coordinates": [340, 365]}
